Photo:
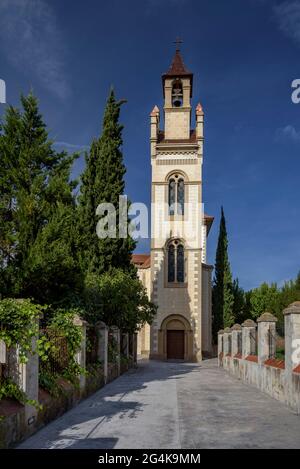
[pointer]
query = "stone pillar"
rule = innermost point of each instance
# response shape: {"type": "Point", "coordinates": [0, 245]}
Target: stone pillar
{"type": "Point", "coordinates": [227, 341]}
{"type": "Point", "coordinates": [220, 346]}
{"type": "Point", "coordinates": [102, 346]}
{"type": "Point", "coordinates": [248, 338]}
{"type": "Point", "coordinates": [2, 352]}
{"type": "Point", "coordinates": [266, 341]}
{"type": "Point", "coordinates": [81, 354]}
{"type": "Point", "coordinates": [135, 349]}
{"type": "Point", "coordinates": [26, 376]}
{"type": "Point", "coordinates": [236, 338]}
{"type": "Point", "coordinates": [116, 335]}
{"type": "Point", "coordinates": [220, 341]}
{"type": "Point", "coordinates": [292, 352]}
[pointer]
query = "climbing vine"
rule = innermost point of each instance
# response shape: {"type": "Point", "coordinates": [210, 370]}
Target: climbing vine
{"type": "Point", "coordinates": [19, 324]}
{"type": "Point", "coordinates": [58, 344]}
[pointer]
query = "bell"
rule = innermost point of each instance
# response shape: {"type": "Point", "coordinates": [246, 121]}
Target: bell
{"type": "Point", "coordinates": [177, 102]}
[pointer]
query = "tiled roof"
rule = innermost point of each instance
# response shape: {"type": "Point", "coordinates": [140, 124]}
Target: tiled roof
{"type": "Point", "coordinates": [208, 219]}
{"type": "Point", "coordinates": [161, 138]}
{"type": "Point", "coordinates": [141, 261]}
{"type": "Point", "coordinates": [178, 69]}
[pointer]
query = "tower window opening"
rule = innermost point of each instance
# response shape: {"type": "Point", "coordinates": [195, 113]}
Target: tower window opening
{"type": "Point", "coordinates": [177, 93]}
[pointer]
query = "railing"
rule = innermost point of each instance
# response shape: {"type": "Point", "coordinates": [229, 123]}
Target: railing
{"type": "Point", "coordinates": [58, 358]}
{"type": "Point", "coordinates": [272, 338]}
{"type": "Point", "coordinates": [91, 345]}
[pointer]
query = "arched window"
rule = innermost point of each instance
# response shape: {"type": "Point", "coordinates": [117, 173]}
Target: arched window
{"type": "Point", "coordinates": [180, 264]}
{"type": "Point", "coordinates": [171, 264]}
{"type": "Point", "coordinates": [177, 94]}
{"type": "Point", "coordinates": [176, 262]}
{"type": "Point", "coordinates": [172, 196]}
{"type": "Point", "coordinates": [176, 195]}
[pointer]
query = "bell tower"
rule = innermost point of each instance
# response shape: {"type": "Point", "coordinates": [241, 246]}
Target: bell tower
{"type": "Point", "coordinates": [176, 273]}
{"type": "Point", "coordinates": [177, 90]}
{"type": "Point", "coordinates": [180, 279]}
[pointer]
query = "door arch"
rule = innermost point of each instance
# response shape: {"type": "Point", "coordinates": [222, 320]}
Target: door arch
{"type": "Point", "coordinates": [175, 328]}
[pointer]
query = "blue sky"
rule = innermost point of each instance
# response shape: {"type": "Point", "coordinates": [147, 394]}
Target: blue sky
{"type": "Point", "coordinates": [244, 55]}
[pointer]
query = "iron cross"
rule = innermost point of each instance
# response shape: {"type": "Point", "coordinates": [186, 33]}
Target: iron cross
{"type": "Point", "coordinates": [178, 42]}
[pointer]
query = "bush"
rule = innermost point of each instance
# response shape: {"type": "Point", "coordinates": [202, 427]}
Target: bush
{"type": "Point", "coordinates": [118, 299]}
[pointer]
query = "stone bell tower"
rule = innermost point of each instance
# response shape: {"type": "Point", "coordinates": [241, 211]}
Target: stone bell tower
{"type": "Point", "coordinates": [180, 282]}
{"type": "Point", "coordinates": [177, 90]}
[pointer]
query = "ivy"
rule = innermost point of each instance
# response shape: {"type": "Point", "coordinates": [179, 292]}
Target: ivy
{"type": "Point", "coordinates": [10, 389]}
{"type": "Point", "coordinates": [60, 328]}
{"type": "Point", "coordinates": [19, 324]}
{"type": "Point", "coordinates": [112, 350]}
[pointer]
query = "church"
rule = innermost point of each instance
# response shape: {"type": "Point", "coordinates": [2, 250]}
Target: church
{"type": "Point", "coordinates": [175, 272]}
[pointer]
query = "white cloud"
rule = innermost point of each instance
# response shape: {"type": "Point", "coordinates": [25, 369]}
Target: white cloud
{"type": "Point", "coordinates": [287, 15]}
{"type": "Point", "coordinates": [71, 146]}
{"type": "Point", "coordinates": [31, 40]}
{"type": "Point", "coordinates": [288, 133]}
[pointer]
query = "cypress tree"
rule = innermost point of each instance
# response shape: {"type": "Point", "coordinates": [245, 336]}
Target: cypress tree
{"type": "Point", "coordinates": [223, 298]}
{"type": "Point", "coordinates": [103, 182]}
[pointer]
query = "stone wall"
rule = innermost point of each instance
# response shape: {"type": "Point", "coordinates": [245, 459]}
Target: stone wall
{"type": "Point", "coordinates": [248, 352]}
{"type": "Point", "coordinates": [18, 421]}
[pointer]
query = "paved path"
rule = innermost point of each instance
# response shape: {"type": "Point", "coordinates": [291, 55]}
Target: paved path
{"type": "Point", "coordinates": [173, 405]}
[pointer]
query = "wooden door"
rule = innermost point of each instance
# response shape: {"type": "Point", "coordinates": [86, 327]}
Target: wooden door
{"type": "Point", "coordinates": [175, 345]}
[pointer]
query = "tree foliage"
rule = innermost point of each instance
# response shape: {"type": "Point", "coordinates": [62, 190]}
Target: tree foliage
{"type": "Point", "coordinates": [118, 299]}
{"type": "Point", "coordinates": [223, 297]}
{"type": "Point", "coordinates": [34, 190]}
{"type": "Point", "coordinates": [103, 182]}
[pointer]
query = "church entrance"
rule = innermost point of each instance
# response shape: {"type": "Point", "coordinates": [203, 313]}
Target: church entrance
{"type": "Point", "coordinates": [175, 339]}
{"type": "Point", "coordinates": [175, 345]}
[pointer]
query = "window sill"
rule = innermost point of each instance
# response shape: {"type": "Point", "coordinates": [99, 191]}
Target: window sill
{"type": "Point", "coordinates": [176, 285]}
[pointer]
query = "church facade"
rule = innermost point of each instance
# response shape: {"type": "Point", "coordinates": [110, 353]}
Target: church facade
{"type": "Point", "coordinates": [175, 273]}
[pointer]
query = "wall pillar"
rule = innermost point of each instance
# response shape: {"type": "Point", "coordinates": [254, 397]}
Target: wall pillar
{"type": "Point", "coordinates": [292, 352]}
{"type": "Point", "coordinates": [266, 340]}
{"type": "Point", "coordinates": [26, 376]}
{"type": "Point", "coordinates": [248, 338]}
{"type": "Point", "coordinates": [236, 337]}
{"type": "Point", "coordinates": [3, 352]}
{"type": "Point", "coordinates": [220, 346]}
{"type": "Point", "coordinates": [81, 354]}
{"type": "Point", "coordinates": [227, 341]}
{"type": "Point", "coordinates": [116, 335]}
{"type": "Point", "coordinates": [102, 346]}
{"type": "Point", "coordinates": [135, 349]}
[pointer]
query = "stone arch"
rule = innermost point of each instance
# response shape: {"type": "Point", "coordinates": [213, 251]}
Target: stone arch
{"type": "Point", "coordinates": [176, 171]}
{"type": "Point", "coordinates": [171, 323]}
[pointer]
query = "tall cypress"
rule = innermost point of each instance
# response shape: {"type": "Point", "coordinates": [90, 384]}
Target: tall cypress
{"type": "Point", "coordinates": [223, 297]}
{"type": "Point", "coordinates": [103, 182]}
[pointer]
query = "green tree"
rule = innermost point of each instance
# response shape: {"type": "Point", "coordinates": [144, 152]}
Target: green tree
{"type": "Point", "coordinates": [223, 298]}
{"type": "Point", "coordinates": [103, 182]}
{"type": "Point", "coordinates": [35, 183]}
{"type": "Point", "coordinates": [265, 298]}
{"type": "Point", "coordinates": [239, 303]}
{"type": "Point", "coordinates": [118, 299]}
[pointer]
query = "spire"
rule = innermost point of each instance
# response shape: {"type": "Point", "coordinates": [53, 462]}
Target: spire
{"type": "Point", "coordinates": [178, 69]}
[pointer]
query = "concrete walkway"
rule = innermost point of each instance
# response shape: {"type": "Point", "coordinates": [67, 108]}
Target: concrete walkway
{"type": "Point", "coordinates": [173, 405]}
